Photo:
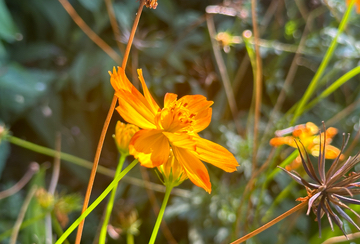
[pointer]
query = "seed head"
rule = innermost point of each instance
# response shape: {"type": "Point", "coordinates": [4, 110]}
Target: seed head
{"type": "Point", "coordinates": [331, 190]}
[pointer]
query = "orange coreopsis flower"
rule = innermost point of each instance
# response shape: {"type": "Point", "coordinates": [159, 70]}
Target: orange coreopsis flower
{"type": "Point", "coordinates": [308, 135]}
{"type": "Point", "coordinates": [172, 129]}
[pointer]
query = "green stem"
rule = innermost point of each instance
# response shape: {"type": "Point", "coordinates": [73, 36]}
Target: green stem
{"type": "Point", "coordinates": [52, 153]}
{"type": "Point", "coordinates": [169, 187]}
{"type": "Point", "coordinates": [271, 176]}
{"type": "Point", "coordinates": [111, 202]}
{"type": "Point", "coordinates": [339, 82]}
{"type": "Point", "coordinates": [287, 161]}
{"type": "Point", "coordinates": [129, 238]}
{"type": "Point", "coordinates": [313, 84]}
{"type": "Point", "coordinates": [57, 227]}
{"type": "Point", "coordinates": [96, 202]}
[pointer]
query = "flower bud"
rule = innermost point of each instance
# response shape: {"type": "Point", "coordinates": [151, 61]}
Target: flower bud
{"type": "Point", "coordinates": [172, 172]}
{"type": "Point", "coordinates": [123, 135]}
{"type": "Point", "coordinates": [3, 132]}
{"type": "Point", "coordinates": [45, 199]}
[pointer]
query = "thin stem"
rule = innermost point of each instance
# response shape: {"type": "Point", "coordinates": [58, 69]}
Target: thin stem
{"type": "Point", "coordinates": [132, 34]}
{"type": "Point", "coordinates": [33, 168]}
{"type": "Point", "coordinates": [89, 32]}
{"type": "Point", "coordinates": [111, 202]}
{"type": "Point", "coordinates": [94, 168]}
{"type": "Point", "coordinates": [223, 72]}
{"type": "Point", "coordinates": [164, 227]}
{"type": "Point", "coordinates": [347, 238]}
{"type": "Point", "coordinates": [161, 214]}
{"type": "Point", "coordinates": [57, 227]}
{"type": "Point", "coordinates": [52, 187]}
{"type": "Point", "coordinates": [249, 189]}
{"type": "Point", "coordinates": [258, 83]}
{"type": "Point", "coordinates": [271, 223]}
{"type": "Point", "coordinates": [106, 125]}
{"type": "Point", "coordinates": [114, 24]}
{"type": "Point", "coordinates": [88, 165]}
{"type": "Point", "coordinates": [313, 84]}
{"type": "Point", "coordinates": [21, 215]}
{"type": "Point", "coordinates": [95, 203]}
{"type": "Point", "coordinates": [129, 238]}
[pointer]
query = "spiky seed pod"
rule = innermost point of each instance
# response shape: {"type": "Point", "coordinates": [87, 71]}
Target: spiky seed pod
{"type": "Point", "coordinates": [331, 190]}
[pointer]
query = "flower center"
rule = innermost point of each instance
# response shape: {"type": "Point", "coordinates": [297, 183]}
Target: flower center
{"type": "Point", "coordinates": [175, 118]}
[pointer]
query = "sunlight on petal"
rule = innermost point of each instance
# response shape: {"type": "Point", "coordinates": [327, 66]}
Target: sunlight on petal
{"type": "Point", "coordinates": [150, 142]}
{"type": "Point", "coordinates": [215, 154]}
{"type": "Point", "coordinates": [194, 168]}
{"type": "Point", "coordinates": [153, 105]}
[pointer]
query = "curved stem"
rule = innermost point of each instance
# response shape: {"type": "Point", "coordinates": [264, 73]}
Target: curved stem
{"type": "Point", "coordinates": [96, 202]}
{"type": "Point", "coordinates": [161, 214]}
{"type": "Point", "coordinates": [89, 32]}
{"type": "Point", "coordinates": [111, 202]}
{"type": "Point", "coordinates": [94, 168]}
{"type": "Point", "coordinates": [106, 124]}
{"type": "Point", "coordinates": [21, 215]}
{"type": "Point", "coordinates": [33, 168]}
{"type": "Point", "coordinates": [271, 223]}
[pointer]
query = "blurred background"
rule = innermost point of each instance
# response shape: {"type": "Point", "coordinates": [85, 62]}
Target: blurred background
{"type": "Point", "coordinates": [54, 79]}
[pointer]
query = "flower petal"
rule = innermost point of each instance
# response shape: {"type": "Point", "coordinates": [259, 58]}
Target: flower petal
{"type": "Point", "coordinates": [194, 168]}
{"type": "Point", "coordinates": [151, 147]}
{"type": "Point", "coordinates": [278, 141]}
{"type": "Point", "coordinates": [182, 140]}
{"type": "Point", "coordinates": [134, 111]}
{"type": "Point", "coordinates": [119, 81]}
{"type": "Point", "coordinates": [215, 154]}
{"type": "Point", "coordinates": [153, 105]}
{"type": "Point", "coordinates": [198, 105]}
{"type": "Point", "coordinates": [169, 99]}
{"type": "Point", "coordinates": [331, 152]}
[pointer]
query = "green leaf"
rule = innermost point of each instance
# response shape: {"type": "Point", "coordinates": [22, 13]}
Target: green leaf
{"type": "Point", "coordinates": [8, 29]}
{"type": "Point", "coordinates": [20, 89]}
{"type": "Point", "coordinates": [88, 69]}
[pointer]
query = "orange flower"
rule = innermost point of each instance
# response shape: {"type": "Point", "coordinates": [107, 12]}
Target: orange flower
{"type": "Point", "coordinates": [357, 3]}
{"type": "Point", "coordinates": [308, 135]}
{"type": "Point", "coordinates": [173, 127]}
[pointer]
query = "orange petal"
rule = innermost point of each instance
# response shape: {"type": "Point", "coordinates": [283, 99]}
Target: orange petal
{"type": "Point", "coordinates": [169, 99]}
{"type": "Point", "coordinates": [331, 132]}
{"type": "Point", "coordinates": [331, 152]}
{"type": "Point", "coordinates": [134, 110]}
{"type": "Point", "coordinates": [182, 140]}
{"type": "Point", "coordinates": [119, 81]}
{"type": "Point", "coordinates": [194, 168]}
{"type": "Point", "coordinates": [294, 164]}
{"type": "Point", "coordinates": [278, 141]}
{"type": "Point", "coordinates": [198, 105]}
{"type": "Point", "coordinates": [153, 105]}
{"type": "Point", "coordinates": [151, 147]}
{"type": "Point", "coordinates": [215, 154]}
{"type": "Point", "coordinates": [202, 120]}
{"type": "Point", "coordinates": [195, 103]}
